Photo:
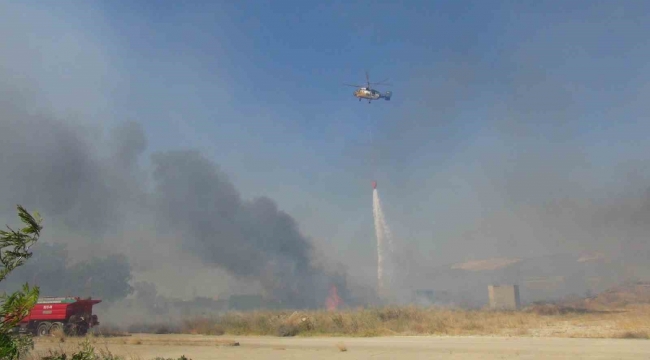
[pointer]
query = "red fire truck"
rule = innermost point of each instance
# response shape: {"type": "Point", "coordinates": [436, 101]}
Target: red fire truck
{"type": "Point", "coordinates": [71, 315]}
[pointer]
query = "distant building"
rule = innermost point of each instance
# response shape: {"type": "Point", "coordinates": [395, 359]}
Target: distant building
{"type": "Point", "coordinates": [504, 297]}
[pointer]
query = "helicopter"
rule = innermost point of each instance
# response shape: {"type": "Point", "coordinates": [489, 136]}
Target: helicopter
{"type": "Point", "coordinates": [368, 93]}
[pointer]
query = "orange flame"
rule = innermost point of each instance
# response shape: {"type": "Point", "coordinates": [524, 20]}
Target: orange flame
{"type": "Point", "coordinates": [333, 300]}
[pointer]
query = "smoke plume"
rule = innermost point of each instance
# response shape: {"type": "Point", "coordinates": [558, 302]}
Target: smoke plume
{"type": "Point", "coordinates": [52, 168]}
{"type": "Point", "coordinates": [251, 239]}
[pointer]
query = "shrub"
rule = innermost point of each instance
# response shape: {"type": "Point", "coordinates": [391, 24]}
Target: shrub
{"type": "Point", "coordinates": [14, 251]}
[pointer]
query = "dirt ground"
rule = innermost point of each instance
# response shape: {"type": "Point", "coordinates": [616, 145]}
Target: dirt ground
{"type": "Point", "coordinates": [199, 347]}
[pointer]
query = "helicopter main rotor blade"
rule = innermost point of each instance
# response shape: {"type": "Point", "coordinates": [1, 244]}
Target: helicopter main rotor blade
{"type": "Point", "coordinates": [353, 85]}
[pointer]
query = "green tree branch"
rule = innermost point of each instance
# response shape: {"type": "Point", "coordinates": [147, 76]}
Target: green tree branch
{"type": "Point", "coordinates": [15, 248]}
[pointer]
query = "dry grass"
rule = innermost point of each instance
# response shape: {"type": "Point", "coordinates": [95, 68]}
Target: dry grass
{"type": "Point", "coordinates": [104, 343]}
{"type": "Point", "coordinates": [202, 326]}
{"type": "Point", "coordinates": [539, 320]}
{"type": "Point", "coordinates": [59, 335]}
{"type": "Point", "coordinates": [91, 347]}
{"type": "Point", "coordinates": [155, 328]}
{"type": "Point", "coordinates": [620, 312]}
{"type": "Point", "coordinates": [109, 331]}
{"type": "Point", "coordinates": [635, 335]}
{"type": "Point", "coordinates": [82, 346]}
{"type": "Point", "coordinates": [134, 342]}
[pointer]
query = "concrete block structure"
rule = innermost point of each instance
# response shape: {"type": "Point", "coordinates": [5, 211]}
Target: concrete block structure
{"type": "Point", "coordinates": [504, 297]}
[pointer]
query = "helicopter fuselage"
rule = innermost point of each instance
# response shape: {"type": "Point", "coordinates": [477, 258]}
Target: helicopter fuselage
{"type": "Point", "coordinates": [368, 94]}
{"type": "Point", "coordinates": [371, 94]}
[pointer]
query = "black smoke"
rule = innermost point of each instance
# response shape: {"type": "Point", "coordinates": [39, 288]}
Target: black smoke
{"type": "Point", "coordinates": [251, 239]}
{"type": "Point", "coordinates": [93, 193]}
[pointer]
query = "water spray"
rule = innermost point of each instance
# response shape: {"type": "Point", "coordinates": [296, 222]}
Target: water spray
{"type": "Point", "coordinates": [384, 240]}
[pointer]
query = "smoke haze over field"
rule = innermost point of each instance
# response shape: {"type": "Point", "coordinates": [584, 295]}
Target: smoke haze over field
{"type": "Point", "coordinates": [211, 154]}
{"type": "Point", "coordinates": [195, 203]}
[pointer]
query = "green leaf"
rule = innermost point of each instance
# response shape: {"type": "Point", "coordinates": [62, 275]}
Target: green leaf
{"type": "Point", "coordinates": [14, 251]}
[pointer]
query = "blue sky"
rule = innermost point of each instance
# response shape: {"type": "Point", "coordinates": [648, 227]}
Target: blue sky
{"type": "Point", "coordinates": [495, 105]}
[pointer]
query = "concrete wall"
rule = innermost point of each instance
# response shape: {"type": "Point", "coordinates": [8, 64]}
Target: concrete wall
{"type": "Point", "coordinates": [504, 297]}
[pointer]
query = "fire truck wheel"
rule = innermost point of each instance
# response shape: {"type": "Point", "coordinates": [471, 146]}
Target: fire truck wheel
{"type": "Point", "coordinates": [56, 327]}
{"type": "Point", "coordinates": [43, 329]}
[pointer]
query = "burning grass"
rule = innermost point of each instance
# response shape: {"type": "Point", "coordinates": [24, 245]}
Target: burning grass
{"type": "Point", "coordinates": [538, 320]}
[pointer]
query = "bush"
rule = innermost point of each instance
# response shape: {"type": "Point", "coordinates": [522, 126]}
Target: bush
{"type": "Point", "coordinates": [14, 251]}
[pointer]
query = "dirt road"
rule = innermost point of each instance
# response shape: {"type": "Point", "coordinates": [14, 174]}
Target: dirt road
{"type": "Point", "coordinates": [197, 347]}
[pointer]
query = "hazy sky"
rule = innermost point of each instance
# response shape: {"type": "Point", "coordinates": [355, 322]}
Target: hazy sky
{"type": "Point", "coordinates": [497, 106]}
